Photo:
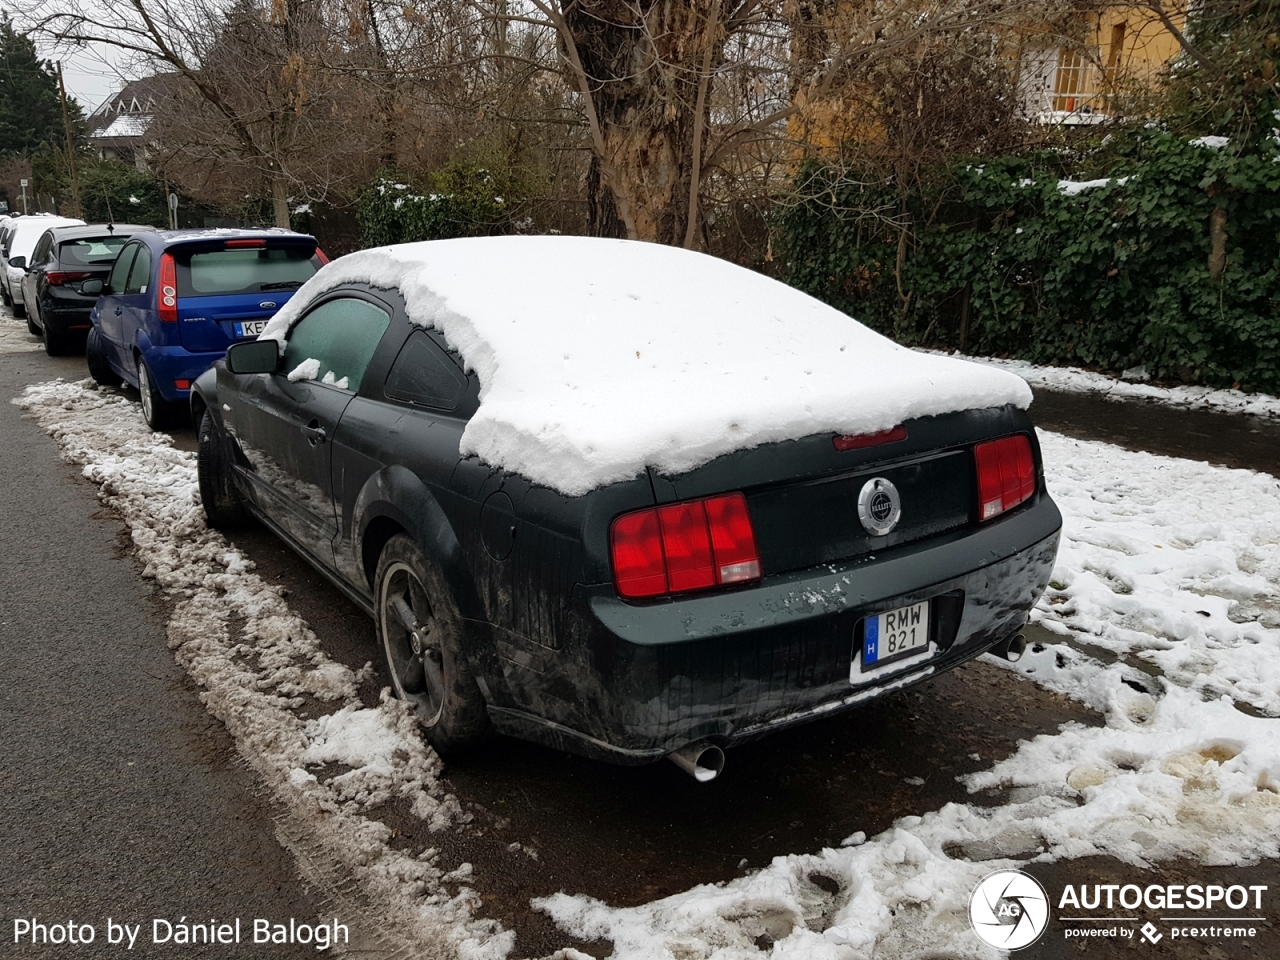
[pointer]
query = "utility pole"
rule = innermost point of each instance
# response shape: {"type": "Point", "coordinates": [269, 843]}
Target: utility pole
{"type": "Point", "coordinates": [71, 157]}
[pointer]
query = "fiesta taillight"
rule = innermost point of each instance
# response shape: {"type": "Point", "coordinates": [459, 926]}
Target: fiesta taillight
{"type": "Point", "coordinates": [684, 546]}
{"type": "Point", "coordinates": [243, 244]}
{"type": "Point", "coordinates": [167, 290]}
{"type": "Point", "coordinates": [320, 255]}
{"type": "Point", "coordinates": [60, 278]}
{"type": "Point", "coordinates": [1006, 474]}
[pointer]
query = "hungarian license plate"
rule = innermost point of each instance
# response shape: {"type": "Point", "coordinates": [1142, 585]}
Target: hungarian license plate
{"type": "Point", "coordinates": [894, 635]}
{"type": "Point", "coordinates": [250, 328]}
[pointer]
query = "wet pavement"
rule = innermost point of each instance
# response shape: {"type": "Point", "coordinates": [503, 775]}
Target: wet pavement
{"type": "Point", "coordinates": [544, 821]}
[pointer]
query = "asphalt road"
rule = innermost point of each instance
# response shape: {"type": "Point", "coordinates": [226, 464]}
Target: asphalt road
{"type": "Point", "coordinates": [120, 796]}
{"type": "Point", "coordinates": [94, 687]}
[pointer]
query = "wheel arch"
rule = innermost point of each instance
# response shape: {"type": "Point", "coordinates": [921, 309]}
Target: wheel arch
{"type": "Point", "coordinates": [395, 500]}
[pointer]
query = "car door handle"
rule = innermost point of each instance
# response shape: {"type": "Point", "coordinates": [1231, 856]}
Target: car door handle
{"type": "Point", "coordinates": [315, 433]}
{"type": "Point", "coordinates": [118, 311]}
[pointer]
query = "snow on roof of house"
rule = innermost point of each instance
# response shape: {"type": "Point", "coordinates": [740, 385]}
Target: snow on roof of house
{"type": "Point", "coordinates": [597, 358]}
{"type": "Point", "coordinates": [125, 125]}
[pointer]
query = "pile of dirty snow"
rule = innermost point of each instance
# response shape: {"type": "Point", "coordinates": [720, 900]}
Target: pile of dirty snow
{"type": "Point", "coordinates": [598, 358]}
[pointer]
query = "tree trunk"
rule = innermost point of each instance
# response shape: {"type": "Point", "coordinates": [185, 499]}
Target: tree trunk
{"type": "Point", "coordinates": [280, 202]}
{"type": "Point", "coordinates": [645, 62]}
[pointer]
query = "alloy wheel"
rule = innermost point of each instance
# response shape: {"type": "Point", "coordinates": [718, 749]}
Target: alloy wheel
{"type": "Point", "coordinates": [409, 633]}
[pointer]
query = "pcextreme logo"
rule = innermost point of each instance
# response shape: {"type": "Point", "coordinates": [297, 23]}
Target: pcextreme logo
{"type": "Point", "coordinates": [1009, 910]}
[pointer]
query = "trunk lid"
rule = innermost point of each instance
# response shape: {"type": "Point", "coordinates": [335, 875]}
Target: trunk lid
{"type": "Point", "coordinates": [803, 494]}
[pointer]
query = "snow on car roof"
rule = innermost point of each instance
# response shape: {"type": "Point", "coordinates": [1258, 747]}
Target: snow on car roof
{"type": "Point", "coordinates": [28, 231]}
{"type": "Point", "coordinates": [598, 358]}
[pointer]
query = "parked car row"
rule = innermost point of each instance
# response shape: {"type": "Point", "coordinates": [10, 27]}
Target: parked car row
{"type": "Point", "coordinates": [651, 612]}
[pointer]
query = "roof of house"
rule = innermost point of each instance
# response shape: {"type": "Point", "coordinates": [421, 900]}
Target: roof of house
{"type": "Point", "coordinates": [128, 114]}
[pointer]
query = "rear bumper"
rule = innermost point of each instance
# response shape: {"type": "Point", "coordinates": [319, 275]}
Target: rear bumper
{"type": "Point", "coordinates": [168, 364]}
{"type": "Point", "coordinates": [632, 683]}
{"type": "Point", "coordinates": [61, 318]}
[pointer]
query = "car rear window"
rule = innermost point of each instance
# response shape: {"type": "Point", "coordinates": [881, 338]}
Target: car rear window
{"type": "Point", "coordinates": [90, 251]}
{"type": "Point", "coordinates": [255, 270]}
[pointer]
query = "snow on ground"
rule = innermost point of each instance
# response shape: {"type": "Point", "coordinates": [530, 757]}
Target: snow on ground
{"type": "Point", "coordinates": [1168, 564]}
{"type": "Point", "coordinates": [14, 337]}
{"type": "Point", "coordinates": [264, 676]}
{"type": "Point", "coordinates": [1075, 380]}
{"type": "Point", "coordinates": [584, 335]}
{"type": "Point", "coordinates": [1165, 596]}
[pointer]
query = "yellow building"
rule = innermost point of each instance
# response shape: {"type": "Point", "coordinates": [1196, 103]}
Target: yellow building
{"type": "Point", "coordinates": [1122, 51]}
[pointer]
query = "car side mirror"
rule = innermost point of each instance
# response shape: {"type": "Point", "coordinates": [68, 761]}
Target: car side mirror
{"type": "Point", "coordinates": [18, 263]}
{"type": "Point", "coordinates": [256, 356]}
{"type": "Point", "coordinates": [92, 288]}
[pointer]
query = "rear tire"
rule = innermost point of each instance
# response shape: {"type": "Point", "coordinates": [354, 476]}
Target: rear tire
{"type": "Point", "coordinates": [95, 359]}
{"type": "Point", "coordinates": [55, 344]}
{"type": "Point", "coordinates": [32, 329]}
{"type": "Point", "coordinates": [156, 410]}
{"type": "Point", "coordinates": [20, 311]}
{"type": "Point", "coordinates": [223, 508]}
{"type": "Point", "coordinates": [419, 628]}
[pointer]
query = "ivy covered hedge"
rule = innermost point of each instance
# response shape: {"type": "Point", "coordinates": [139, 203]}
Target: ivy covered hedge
{"type": "Point", "coordinates": [997, 258]}
{"type": "Point", "coordinates": [460, 201]}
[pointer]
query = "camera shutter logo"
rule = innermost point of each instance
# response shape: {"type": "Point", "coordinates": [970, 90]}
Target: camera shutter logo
{"type": "Point", "coordinates": [879, 506]}
{"type": "Point", "coordinates": [1009, 910]}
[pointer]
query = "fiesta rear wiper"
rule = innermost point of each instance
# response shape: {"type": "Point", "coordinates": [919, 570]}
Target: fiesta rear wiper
{"type": "Point", "coordinates": [282, 285]}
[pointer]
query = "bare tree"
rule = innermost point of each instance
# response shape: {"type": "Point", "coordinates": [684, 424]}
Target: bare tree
{"type": "Point", "coordinates": [244, 100]}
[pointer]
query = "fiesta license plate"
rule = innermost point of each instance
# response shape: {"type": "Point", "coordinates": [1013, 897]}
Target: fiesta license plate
{"type": "Point", "coordinates": [895, 635]}
{"type": "Point", "coordinates": [250, 328]}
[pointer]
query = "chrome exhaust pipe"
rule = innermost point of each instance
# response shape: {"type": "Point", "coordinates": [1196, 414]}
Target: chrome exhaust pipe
{"type": "Point", "coordinates": [1011, 649]}
{"type": "Point", "coordinates": [702, 760]}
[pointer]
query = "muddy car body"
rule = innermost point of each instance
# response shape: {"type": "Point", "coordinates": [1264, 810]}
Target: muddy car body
{"type": "Point", "coordinates": [658, 614]}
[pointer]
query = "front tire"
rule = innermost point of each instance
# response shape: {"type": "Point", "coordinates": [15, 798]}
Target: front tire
{"type": "Point", "coordinates": [95, 358]}
{"type": "Point", "coordinates": [156, 410]}
{"type": "Point", "coordinates": [420, 628]}
{"type": "Point", "coordinates": [33, 328]}
{"type": "Point", "coordinates": [223, 508]}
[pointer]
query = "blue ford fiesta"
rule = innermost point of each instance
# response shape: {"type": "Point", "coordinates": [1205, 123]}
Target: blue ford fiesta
{"type": "Point", "coordinates": [175, 300]}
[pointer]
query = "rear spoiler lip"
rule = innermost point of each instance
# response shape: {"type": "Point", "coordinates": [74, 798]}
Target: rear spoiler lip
{"type": "Point", "coordinates": [217, 243]}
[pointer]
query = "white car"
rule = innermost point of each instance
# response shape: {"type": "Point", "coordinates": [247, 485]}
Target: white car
{"type": "Point", "coordinates": [21, 236]}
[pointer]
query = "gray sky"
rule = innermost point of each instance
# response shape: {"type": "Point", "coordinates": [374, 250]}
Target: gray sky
{"type": "Point", "coordinates": [91, 74]}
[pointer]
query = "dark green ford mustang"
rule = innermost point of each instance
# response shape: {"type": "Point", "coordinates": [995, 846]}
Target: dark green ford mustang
{"type": "Point", "coordinates": [660, 616]}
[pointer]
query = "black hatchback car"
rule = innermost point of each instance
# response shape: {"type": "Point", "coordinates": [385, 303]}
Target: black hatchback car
{"type": "Point", "coordinates": [63, 259]}
{"type": "Point", "coordinates": [666, 613]}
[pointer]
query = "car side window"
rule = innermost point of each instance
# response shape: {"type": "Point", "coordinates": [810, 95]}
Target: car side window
{"type": "Point", "coordinates": [335, 342]}
{"type": "Point", "coordinates": [140, 274]}
{"type": "Point", "coordinates": [41, 253]}
{"type": "Point", "coordinates": [120, 272]}
{"type": "Point", "coordinates": [423, 373]}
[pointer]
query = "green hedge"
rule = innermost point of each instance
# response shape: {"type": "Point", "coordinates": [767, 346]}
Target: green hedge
{"type": "Point", "coordinates": [1112, 277]}
{"type": "Point", "coordinates": [461, 201]}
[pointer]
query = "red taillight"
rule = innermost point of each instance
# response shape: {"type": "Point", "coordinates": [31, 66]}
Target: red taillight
{"type": "Point", "coordinates": [60, 278]}
{"type": "Point", "coordinates": [733, 540]}
{"type": "Point", "coordinates": [182, 384]}
{"type": "Point", "coordinates": [167, 290]}
{"type": "Point", "coordinates": [858, 441]}
{"type": "Point", "coordinates": [321, 257]}
{"type": "Point", "coordinates": [241, 244]}
{"type": "Point", "coordinates": [638, 566]}
{"type": "Point", "coordinates": [684, 546]}
{"type": "Point", "coordinates": [1006, 474]}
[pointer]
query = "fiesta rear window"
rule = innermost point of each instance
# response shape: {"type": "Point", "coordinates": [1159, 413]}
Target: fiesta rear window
{"type": "Point", "coordinates": [254, 270]}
